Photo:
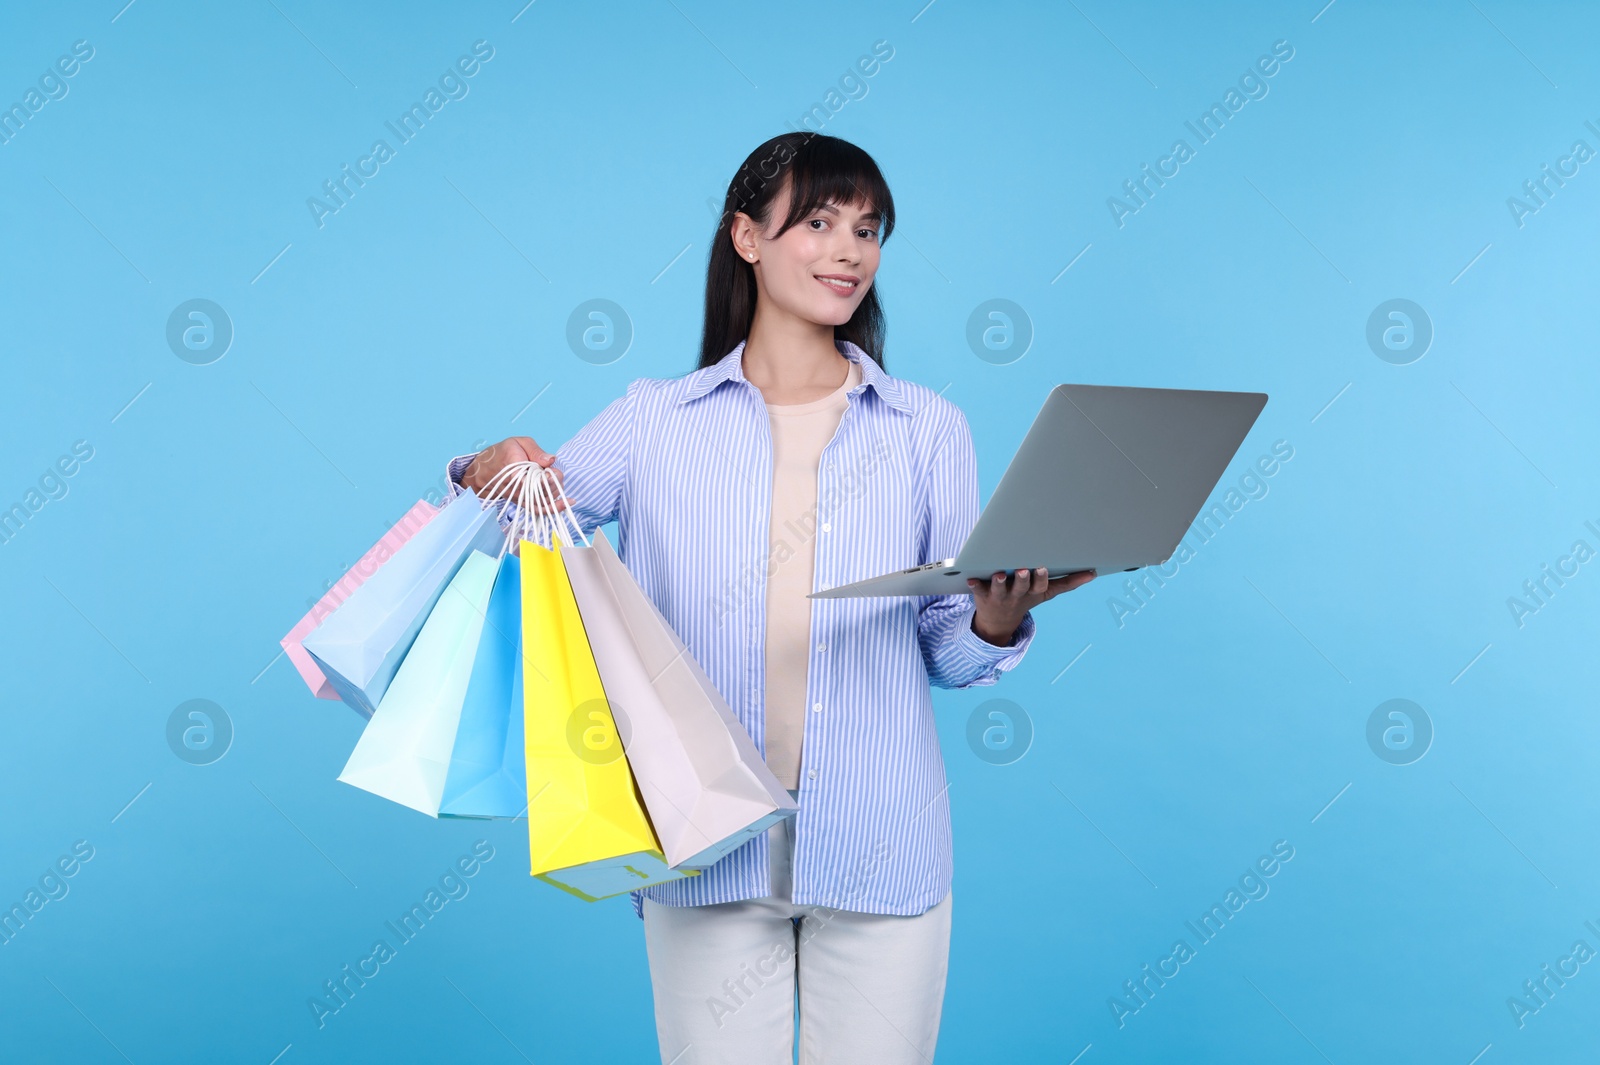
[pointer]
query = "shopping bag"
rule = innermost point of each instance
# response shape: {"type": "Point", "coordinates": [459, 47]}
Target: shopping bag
{"type": "Point", "coordinates": [707, 788]}
{"type": "Point", "coordinates": [381, 552]}
{"type": "Point", "coordinates": [404, 752]}
{"type": "Point", "coordinates": [487, 776]}
{"type": "Point", "coordinates": [361, 644]}
{"type": "Point", "coordinates": [488, 772]}
{"type": "Point", "coordinates": [588, 833]}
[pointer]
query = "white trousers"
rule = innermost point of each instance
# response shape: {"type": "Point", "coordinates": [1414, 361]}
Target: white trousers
{"type": "Point", "coordinates": [725, 978]}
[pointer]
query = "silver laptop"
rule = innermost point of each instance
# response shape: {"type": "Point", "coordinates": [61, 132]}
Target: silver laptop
{"type": "Point", "coordinates": [1108, 478]}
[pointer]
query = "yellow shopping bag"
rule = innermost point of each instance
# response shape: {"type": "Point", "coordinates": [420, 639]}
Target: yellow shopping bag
{"type": "Point", "coordinates": [588, 833]}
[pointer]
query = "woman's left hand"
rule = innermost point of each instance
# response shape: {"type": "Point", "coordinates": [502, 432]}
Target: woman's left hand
{"type": "Point", "coordinates": [1003, 601]}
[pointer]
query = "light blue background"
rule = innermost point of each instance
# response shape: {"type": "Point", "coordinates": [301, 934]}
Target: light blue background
{"type": "Point", "coordinates": [424, 316]}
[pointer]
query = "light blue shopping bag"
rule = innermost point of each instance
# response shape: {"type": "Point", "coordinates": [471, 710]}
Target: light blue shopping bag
{"type": "Point", "coordinates": [404, 752]}
{"type": "Point", "coordinates": [359, 647]}
{"type": "Point", "coordinates": [488, 767]}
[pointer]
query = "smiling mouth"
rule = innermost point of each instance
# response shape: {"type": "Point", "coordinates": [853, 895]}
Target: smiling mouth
{"type": "Point", "coordinates": [839, 284]}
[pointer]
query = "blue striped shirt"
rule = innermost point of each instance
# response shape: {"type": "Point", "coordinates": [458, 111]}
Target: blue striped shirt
{"type": "Point", "coordinates": [684, 467]}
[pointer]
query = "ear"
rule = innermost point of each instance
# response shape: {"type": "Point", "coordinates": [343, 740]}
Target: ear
{"type": "Point", "coordinates": [745, 236]}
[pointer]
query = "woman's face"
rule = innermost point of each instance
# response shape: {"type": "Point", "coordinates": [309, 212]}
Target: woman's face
{"type": "Point", "coordinates": [821, 268]}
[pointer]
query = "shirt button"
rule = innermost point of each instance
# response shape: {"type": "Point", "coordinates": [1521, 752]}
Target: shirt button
{"type": "Point", "coordinates": [822, 647]}
{"type": "Point", "coordinates": [816, 708]}
{"type": "Point", "coordinates": [827, 527]}
{"type": "Point", "coordinates": [812, 775]}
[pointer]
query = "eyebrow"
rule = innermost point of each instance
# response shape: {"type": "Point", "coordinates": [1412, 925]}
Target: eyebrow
{"type": "Point", "coordinates": [831, 209]}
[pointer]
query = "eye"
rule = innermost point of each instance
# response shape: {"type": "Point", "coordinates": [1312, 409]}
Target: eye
{"type": "Point", "coordinates": [819, 218]}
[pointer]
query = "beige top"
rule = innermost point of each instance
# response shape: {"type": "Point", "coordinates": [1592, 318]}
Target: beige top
{"type": "Point", "coordinates": [799, 433]}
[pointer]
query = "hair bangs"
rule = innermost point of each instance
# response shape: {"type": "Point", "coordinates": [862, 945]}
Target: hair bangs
{"type": "Point", "coordinates": [832, 171]}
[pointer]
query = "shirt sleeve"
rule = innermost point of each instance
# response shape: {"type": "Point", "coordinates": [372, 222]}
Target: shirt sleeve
{"type": "Point", "coordinates": [594, 463]}
{"type": "Point", "coordinates": [955, 655]}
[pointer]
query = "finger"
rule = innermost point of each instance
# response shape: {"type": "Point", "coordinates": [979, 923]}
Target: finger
{"type": "Point", "coordinates": [1068, 581]}
{"type": "Point", "coordinates": [1077, 574]}
{"type": "Point", "coordinates": [1040, 584]}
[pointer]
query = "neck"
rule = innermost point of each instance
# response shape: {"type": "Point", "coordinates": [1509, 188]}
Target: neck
{"type": "Point", "coordinates": [785, 353]}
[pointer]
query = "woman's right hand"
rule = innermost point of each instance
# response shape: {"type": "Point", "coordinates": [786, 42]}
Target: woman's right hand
{"type": "Point", "coordinates": [496, 457]}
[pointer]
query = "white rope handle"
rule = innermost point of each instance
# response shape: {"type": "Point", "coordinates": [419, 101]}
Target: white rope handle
{"type": "Point", "coordinates": [540, 526]}
{"type": "Point", "coordinates": [486, 499]}
{"type": "Point", "coordinates": [507, 474]}
{"type": "Point", "coordinates": [558, 514]}
{"type": "Point", "coordinates": [516, 479]}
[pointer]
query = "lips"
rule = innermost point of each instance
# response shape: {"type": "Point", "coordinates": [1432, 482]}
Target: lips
{"type": "Point", "coordinates": [839, 284]}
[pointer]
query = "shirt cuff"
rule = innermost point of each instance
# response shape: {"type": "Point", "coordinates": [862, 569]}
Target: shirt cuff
{"type": "Point", "coordinates": [990, 657]}
{"type": "Point", "coordinates": [457, 466]}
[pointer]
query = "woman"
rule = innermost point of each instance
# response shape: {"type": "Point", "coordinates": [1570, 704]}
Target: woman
{"type": "Point", "coordinates": [787, 463]}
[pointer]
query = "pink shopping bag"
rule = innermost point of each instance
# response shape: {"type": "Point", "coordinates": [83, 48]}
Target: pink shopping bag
{"type": "Point", "coordinates": [404, 529]}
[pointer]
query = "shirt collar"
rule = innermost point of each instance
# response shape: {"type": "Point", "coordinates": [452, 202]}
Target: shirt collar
{"type": "Point", "coordinates": [730, 368]}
